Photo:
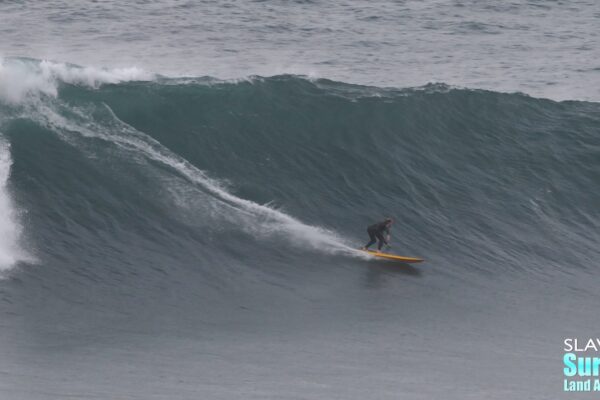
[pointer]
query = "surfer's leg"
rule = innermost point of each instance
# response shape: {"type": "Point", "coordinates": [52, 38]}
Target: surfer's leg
{"type": "Point", "coordinates": [381, 241]}
{"type": "Point", "coordinates": [371, 239]}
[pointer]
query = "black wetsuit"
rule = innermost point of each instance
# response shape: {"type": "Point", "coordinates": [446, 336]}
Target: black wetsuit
{"type": "Point", "coordinates": [376, 232]}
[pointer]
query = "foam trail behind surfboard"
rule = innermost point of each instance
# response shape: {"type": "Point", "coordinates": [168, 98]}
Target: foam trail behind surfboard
{"type": "Point", "coordinates": [34, 87]}
{"type": "Point", "coordinates": [256, 219]}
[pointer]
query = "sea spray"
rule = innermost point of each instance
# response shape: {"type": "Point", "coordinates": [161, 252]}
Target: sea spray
{"type": "Point", "coordinates": [10, 230]}
{"type": "Point", "coordinates": [22, 78]}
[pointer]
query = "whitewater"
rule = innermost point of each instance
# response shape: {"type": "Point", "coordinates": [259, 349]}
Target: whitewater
{"type": "Point", "coordinates": [183, 187]}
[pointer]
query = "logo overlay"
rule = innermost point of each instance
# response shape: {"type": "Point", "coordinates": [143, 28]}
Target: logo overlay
{"type": "Point", "coordinates": [581, 365]}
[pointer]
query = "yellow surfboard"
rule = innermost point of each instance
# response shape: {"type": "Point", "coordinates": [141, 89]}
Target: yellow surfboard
{"type": "Point", "coordinates": [394, 257]}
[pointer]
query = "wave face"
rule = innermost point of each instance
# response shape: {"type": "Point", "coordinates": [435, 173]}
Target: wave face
{"type": "Point", "coordinates": [218, 207]}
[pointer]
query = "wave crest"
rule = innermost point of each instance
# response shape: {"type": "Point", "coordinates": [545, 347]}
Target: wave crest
{"type": "Point", "coordinates": [21, 78]}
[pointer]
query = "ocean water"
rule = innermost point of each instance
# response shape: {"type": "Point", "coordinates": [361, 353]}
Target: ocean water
{"type": "Point", "coordinates": [545, 48]}
{"type": "Point", "coordinates": [182, 185]}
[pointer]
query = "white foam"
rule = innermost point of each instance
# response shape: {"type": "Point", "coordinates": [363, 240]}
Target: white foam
{"type": "Point", "coordinates": [22, 79]}
{"type": "Point", "coordinates": [10, 230]}
{"type": "Point", "coordinates": [91, 76]}
{"type": "Point", "coordinates": [17, 82]}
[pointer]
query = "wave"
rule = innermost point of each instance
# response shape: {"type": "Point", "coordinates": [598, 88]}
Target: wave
{"type": "Point", "coordinates": [273, 164]}
{"type": "Point", "coordinates": [21, 78]}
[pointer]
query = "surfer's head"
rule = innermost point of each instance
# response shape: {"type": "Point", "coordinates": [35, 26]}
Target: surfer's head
{"type": "Point", "coordinates": [389, 221]}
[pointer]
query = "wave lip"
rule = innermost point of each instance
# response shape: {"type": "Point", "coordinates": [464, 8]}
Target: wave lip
{"type": "Point", "coordinates": [22, 78]}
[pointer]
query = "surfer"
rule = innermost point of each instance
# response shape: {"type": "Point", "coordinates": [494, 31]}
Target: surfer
{"type": "Point", "coordinates": [376, 232]}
